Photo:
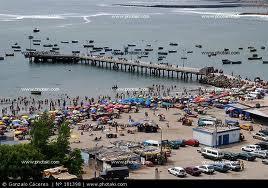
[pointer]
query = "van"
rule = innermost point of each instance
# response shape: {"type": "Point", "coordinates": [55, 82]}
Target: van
{"type": "Point", "coordinates": [115, 173]}
{"type": "Point", "coordinates": [211, 153]}
{"type": "Point", "coordinates": [151, 143]}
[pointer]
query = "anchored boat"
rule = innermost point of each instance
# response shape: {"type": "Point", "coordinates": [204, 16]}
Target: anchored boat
{"type": "Point", "coordinates": [36, 30]}
{"type": "Point", "coordinates": [36, 92]}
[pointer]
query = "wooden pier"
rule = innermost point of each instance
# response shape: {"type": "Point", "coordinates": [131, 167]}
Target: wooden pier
{"type": "Point", "coordinates": [132, 66]}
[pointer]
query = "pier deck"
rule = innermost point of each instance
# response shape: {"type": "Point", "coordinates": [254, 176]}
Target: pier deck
{"type": "Point", "coordinates": [117, 64]}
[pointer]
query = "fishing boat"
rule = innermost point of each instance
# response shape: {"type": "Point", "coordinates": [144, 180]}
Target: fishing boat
{"type": "Point", "coordinates": [55, 48]}
{"type": "Point", "coordinates": [173, 44]}
{"type": "Point", "coordinates": [149, 45]}
{"type": "Point", "coordinates": [11, 54]}
{"type": "Point", "coordinates": [226, 61]}
{"type": "Point", "coordinates": [236, 62]}
{"type": "Point", "coordinates": [159, 59]}
{"type": "Point", "coordinates": [74, 41]}
{"type": "Point", "coordinates": [48, 45]}
{"type": "Point", "coordinates": [198, 46]}
{"type": "Point", "coordinates": [263, 47]}
{"type": "Point", "coordinates": [64, 42]}
{"type": "Point", "coordinates": [2, 58]}
{"type": "Point", "coordinates": [253, 50]}
{"type": "Point", "coordinates": [117, 50]}
{"type": "Point", "coordinates": [97, 48]}
{"type": "Point", "coordinates": [53, 51]}
{"type": "Point", "coordinates": [36, 30]}
{"type": "Point", "coordinates": [250, 47]}
{"type": "Point", "coordinates": [55, 45]}
{"type": "Point", "coordinates": [183, 57]}
{"type": "Point", "coordinates": [36, 40]}
{"type": "Point", "coordinates": [131, 45]}
{"type": "Point", "coordinates": [35, 92]}
{"type": "Point", "coordinates": [118, 53]}
{"type": "Point", "coordinates": [17, 50]}
{"type": "Point", "coordinates": [91, 41]}
{"type": "Point", "coordinates": [36, 44]}
{"type": "Point", "coordinates": [137, 50]}
{"type": "Point", "coordinates": [160, 48]}
{"type": "Point", "coordinates": [162, 57]}
{"type": "Point", "coordinates": [76, 52]}
{"type": "Point", "coordinates": [189, 52]}
{"type": "Point", "coordinates": [162, 53]}
{"type": "Point", "coordinates": [255, 55]}
{"type": "Point", "coordinates": [148, 49]}
{"type": "Point", "coordinates": [144, 56]}
{"type": "Point", "coordinates": [226, 49]}
{"type": "Point", "coordinates": [172, 51]}
{"type": "Point", "coordinates": [16, 47]}
{"type": "Point", "coordinates": [265, 62]}
{"type": "Point", "coordinates": [102, 53]}
{"type": "Point", "coordinates": [88, 45]}
{"type": "Point", "coordinates": [254, 58]}
{"type": "Point", "coordinates": [30, 50]}
{"type": "Point", "coordinates": [240, 48]}
{"type": "Point", "coordinates": [108, 50]}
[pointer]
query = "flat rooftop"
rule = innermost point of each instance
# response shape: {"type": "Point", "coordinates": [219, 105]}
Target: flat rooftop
{"type": "Point", "coordinates": [211, 129]}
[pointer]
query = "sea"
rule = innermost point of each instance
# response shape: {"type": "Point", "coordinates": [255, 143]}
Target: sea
{"type": "Point", "coordinates": [110, 24]}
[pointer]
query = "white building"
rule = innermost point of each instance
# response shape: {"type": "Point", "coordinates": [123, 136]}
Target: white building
{"type": "Point", "coordinates": [225, 135]}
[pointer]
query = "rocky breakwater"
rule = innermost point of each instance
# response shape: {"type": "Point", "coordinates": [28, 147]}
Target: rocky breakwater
{"type": "Point", "coordinates": [222, 81]}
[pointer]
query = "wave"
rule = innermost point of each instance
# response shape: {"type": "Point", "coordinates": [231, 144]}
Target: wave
{"type": "Point", "coordinates": [230, 15]}
{"type": "Point", "coordinates": [85, 17]}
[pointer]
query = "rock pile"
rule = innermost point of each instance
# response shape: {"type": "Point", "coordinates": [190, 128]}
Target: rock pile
{"type": "Point", "coordinates": [222, 81]}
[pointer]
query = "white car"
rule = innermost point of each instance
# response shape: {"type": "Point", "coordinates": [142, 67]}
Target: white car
{"type": "Point", "coordinates": [260, 136]}
{"type": "Point", "coordinates": [177, 171]}
{"type": "Point", "coordinates": [251, 148]}
{"type": "Point", "coordinates": [207, 169]}
{"type": "Point", "coordinates": [260, 154]}
{"type": "Point", "coordinates": [233, 165]}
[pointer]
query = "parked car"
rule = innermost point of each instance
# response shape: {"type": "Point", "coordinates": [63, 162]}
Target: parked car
{"type": "Point", "coordinates": [233, 165]}
{"type": "Point", "coordinates": [193, 171]}
{"type": "Point", "coordinates": [263, 145]}
{"type": "Point", "coordinates": [232, 123]}
{"type": "Point", "coordinates": [260, 136]}
{"type": "Point", "coordinates": [220, 167]}
{"type": "Point", "coordinates": [260, 153]}
{"type": "Point", "coordinates": [247, 127]}
{"type": "Point", "coordinates": [246, 156]}
{"type": "Point", "coordinates": [211, 153]}
{"type": "Point", "coordinates": [207, 169]}
{"type": "Point", "coordinates": [177, 171]}
{"type": "Point", "coordinates": [115, 173]}
{"type": "Point", "coordinates": [265, 131]}
{"type": "Point", "coordinates": [180, 142]}
{"type": "Point", "coordinates": [171, 144]}
{"type": "Point", "coordinates": [230, 156]}
{"type": "Point", "coordinates": [192, 142]}
{"type": "Point", "coordinates": [250, 148]}
{"type": "Point", "coordinates": [265, 161]}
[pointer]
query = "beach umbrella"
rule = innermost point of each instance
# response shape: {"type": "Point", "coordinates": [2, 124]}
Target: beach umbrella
{"type": "Point", "coordinates": [2, 123]}
{"type": "Point", "coordinates": [25, 117]}
{"type": "Point", "coordinates": [76, 112]}
{"type": "Point", "coordinates": [5, 118]}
